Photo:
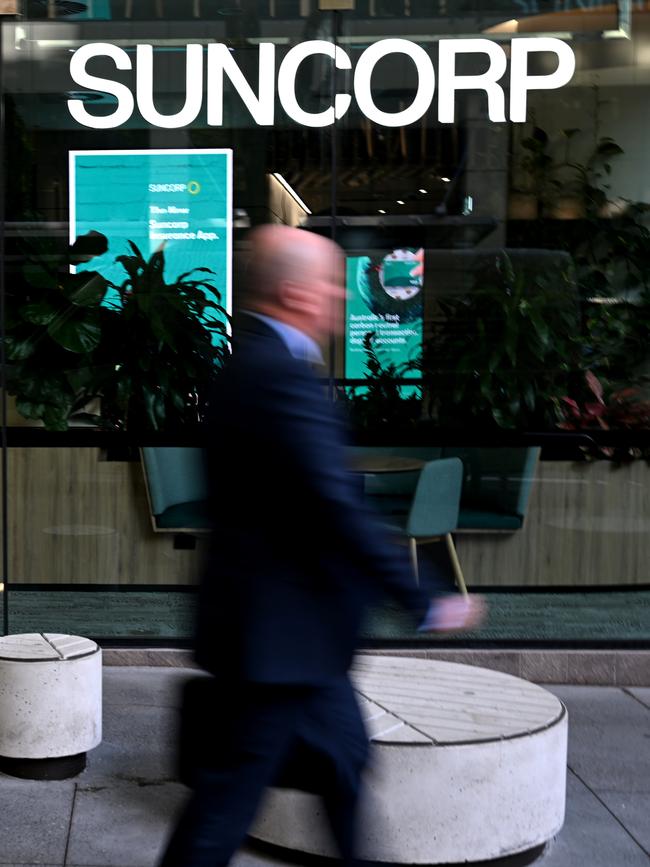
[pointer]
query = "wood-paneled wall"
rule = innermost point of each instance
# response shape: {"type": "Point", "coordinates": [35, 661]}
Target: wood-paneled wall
{"type": "Point", "coordinates": [75, 518]}
{"type": "Point", "coordinates": [587, 524]}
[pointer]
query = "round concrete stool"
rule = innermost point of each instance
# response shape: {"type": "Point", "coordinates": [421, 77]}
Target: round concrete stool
{"type": "Point", "coordinates": [50, 704]}
{"type": "Point", "coordinates": [467, 765]}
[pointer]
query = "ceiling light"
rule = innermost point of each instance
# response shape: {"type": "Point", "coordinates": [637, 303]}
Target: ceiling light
{"type": "Point", "coordinates": [381, 211]}
{"type": "Point", "coordinates": [400, 202]}
{"type": "Point", "coordinates": [445, 180]}
{"type": "Point", "coordinates": [422, 191]}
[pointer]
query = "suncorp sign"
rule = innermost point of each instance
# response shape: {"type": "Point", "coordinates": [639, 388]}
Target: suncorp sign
{"type": "Point", "coordinates": [261, 103]}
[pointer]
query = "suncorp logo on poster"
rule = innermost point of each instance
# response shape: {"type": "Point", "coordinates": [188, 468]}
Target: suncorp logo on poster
{"type": "Point", "coordinates": [193, 188]}
{"type": "Point", "coordinates": [261, 104]}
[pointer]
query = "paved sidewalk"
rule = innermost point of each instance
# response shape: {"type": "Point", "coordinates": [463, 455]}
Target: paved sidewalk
{"type": "Point", "coordinates": [119, 811]}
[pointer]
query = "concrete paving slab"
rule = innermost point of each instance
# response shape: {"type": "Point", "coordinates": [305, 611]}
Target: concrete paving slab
{"type": "Point", "coordinates": [34, 821]}
{"type": "Point", "coordinates": [608, 738]}
{"type": "Point", "coordinates": [139, 745]}
{"type": "Point", "coordinates": [140, 726]}
{"type": "Point", "coordinates": [633, 811]}
{"type": "Point", "coordinates": [591, 836]}
{"type": "Point", "coordinates": [139, 685]}
{"type": "Point", "coordinates": [143, 815]}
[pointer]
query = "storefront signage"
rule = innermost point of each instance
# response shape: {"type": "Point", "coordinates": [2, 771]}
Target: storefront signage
{"type": "Point", "coordinates": [384, 298]}
{"type": "Point", "coordinates": [261, 103]}
{"type": "Point", "coordinates": [175, 200]}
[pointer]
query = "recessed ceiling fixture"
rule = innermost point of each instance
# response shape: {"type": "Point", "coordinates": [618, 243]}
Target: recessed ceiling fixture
{"type": "Point", "coordinates": [422, 191]}
{"type": "Point", "coordinates": [381, 211]}
{"type": "Point", "coordinates": [400, 202]}
{"type": "Point", "coordinates": [445, 180]}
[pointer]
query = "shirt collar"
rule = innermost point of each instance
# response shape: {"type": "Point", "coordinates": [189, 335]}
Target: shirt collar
{"type": "Point", "coordinates": [299, 344]}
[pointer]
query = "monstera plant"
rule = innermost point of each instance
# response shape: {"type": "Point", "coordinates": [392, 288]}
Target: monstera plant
{"type": "Point", "coordinates": [150, 355]}
{"type": "Point", "coordinates": [53, 327]}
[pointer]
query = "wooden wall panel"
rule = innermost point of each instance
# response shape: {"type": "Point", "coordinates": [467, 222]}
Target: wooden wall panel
{"type": "Point", "coordinates": [74, 518]}
{"type": "Point", "coordinates": [587, 524]}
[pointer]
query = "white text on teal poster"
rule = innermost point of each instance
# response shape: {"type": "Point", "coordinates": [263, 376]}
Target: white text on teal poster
{"type": "Point", "coordinates": [179, 201]}
{"type": "Point", "coordinates": [385, 298]}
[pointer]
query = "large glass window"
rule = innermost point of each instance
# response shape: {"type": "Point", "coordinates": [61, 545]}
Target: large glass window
{"type": "Point", "coordinates": [492, 202]}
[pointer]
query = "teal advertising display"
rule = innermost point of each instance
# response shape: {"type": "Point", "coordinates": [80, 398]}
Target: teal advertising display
{"type": "Point", "coordinates": [385, 299]}
{"type": "Point", "coordinates": [179, 201]}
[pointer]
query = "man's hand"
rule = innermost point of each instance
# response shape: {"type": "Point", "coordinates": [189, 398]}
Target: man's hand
{"type": "Point", "coordinates": [454, 613]}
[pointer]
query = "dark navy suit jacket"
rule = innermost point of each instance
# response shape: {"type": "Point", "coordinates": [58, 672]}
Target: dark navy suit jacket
{"type": "Point", "coordinates": [295, 557]}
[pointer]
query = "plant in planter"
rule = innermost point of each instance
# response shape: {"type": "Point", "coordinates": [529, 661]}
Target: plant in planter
{"type": "Point", "coordinates": [581, 189]}
{"type": "Point", "coordinates": [501, 353]}
{"type": "Point", "coordinates": [53, 325]}
{"type": "Point", "coordinates": [150, 359]}
{"type": "Point", "coordinates": [606, 407]}
{"type": "Point", "coordinates": [531, 180]}
{"type": "Point", "coordinates": [380, 403]}
{"type": "Point", "coordinates": [171, 341]}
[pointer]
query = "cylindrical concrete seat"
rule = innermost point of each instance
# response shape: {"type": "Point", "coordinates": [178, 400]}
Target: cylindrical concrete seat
{"type": "Point", "coordinates": [50, 704]}
{"type": "Point", "coordinates": [468, 765]}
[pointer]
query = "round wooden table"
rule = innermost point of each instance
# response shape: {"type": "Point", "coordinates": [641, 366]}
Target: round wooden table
{"type": "Point", "coordinates": [385, 464]}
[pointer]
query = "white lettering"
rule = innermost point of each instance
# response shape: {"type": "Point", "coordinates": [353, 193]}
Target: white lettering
{"type": "Point", "coordinates": [125, 102]}
{"type": "Point", "coordinates": [172, 236]}
{"type": "Point", "coordinates": [449, 82]}
{"type": "Point", "coordinates": [287, 83]}
{"type": "Point", "coordinates": [193, 88]}
{"type": "Point", "coordinates": [155, 224]}
{"type": "Point", "coordinates": [167, 188]}
{"type": "Point", "coordinates": [363, 76]}
{"type": "Point", "coordinates": [261, 107]}
{"type": "Point", "coordinates": [521, 82]}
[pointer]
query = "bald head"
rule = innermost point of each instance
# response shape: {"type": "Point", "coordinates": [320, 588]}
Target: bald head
{"type": "Point", "coordinates": [294, 276]}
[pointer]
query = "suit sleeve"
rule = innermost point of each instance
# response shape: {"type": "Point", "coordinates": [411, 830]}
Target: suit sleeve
{"type": "Point", "coordinates": [301, 427]}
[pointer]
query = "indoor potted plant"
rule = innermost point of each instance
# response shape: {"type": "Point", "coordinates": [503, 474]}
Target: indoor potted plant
{"type": "Point", "coordinates": [150, 358]}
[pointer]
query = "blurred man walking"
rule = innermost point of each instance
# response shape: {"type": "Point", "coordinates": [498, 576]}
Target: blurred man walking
{"type": "Point", "coordinates": [295, 561]}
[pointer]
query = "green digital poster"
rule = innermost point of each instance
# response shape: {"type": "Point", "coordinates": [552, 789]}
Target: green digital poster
{"type": "Point", "coordinates": [177, 201]}
{"type": "Point", "coordinates": [385, 298]}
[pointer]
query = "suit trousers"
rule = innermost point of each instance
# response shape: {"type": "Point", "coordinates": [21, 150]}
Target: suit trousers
{"type": "Point", "coordinates": [303, 737]}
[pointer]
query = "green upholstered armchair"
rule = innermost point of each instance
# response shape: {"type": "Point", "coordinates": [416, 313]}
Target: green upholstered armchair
{"type": "Point", "coordinates": [496, 487]}
{"type": "Point", "coordinates": [177, 489]}
{"type": "Point", "coordinates": [433, 512]}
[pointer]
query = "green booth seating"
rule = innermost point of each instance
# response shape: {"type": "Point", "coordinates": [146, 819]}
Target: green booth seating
{"type": "Point", "coordinates": [496, 487]}
{"type": "Point", "coordinates": [177, 489]}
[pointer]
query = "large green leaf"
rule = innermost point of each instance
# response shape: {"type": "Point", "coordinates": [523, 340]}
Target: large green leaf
{"type": "Point", "coordinates": [50, 389]}
{"type": "Point", "coordinates": [541, 328]}
{"type": "Point", "coordinates": [76, 333]}
{"type": "Point", "coordinates": [19, 348]}
{"type": "Point", "coordinates": [529, 395]}
{"type": "Point", "coordinates": [136, 251]}
{"type": "Point", "coordinates": [37, 275]}
{"type": "Point", "coordinates": [55, 418]}
{"type": "Point", "coordinates": [81, 378]}
{"type": "Point", "coordinates": [607, 147]}
{"type": "Point", "coordinates": [28, 409]}
{"type": "Point", "coordinates": [39, 312]}
{"type": "Point", "coordinates": [87, 290]}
